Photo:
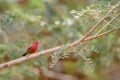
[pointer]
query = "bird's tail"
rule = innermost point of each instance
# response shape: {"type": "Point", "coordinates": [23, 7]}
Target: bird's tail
{"type": "Point", "coordinates": [25, 54]}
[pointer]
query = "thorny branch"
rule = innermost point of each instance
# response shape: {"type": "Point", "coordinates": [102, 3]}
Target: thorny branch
{"type": "Point", "coordinates": [82, 39]}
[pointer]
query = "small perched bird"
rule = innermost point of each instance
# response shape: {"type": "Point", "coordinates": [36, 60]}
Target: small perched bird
{"type": "Point", "coordinates": [32, 48]}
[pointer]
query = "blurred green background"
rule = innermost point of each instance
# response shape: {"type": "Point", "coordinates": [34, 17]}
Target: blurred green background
{"type": "Point", "coordinates": [56, 22]}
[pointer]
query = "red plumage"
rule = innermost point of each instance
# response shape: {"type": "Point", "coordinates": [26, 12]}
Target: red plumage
{"type": "Point", "coordinates": [32, 48]}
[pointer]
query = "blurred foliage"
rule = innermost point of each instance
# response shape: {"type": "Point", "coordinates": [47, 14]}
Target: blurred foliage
{"type": "Point", "coordinates": [56, 22]}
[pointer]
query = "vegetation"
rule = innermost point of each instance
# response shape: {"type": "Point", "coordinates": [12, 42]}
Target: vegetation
{"type": "Point", "coordinates": [79, 39]}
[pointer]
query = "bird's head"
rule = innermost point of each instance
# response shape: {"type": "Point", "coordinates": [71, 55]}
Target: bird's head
{"type": "Point", "coordinates": [36, 42]}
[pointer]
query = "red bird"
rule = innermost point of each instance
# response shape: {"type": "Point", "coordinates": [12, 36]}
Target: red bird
{"type": "Point", "coordinates": [32, 48]}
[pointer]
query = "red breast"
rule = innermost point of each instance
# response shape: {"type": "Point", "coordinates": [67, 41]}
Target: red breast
{"type": "Point", "coordinates": [33, 47]}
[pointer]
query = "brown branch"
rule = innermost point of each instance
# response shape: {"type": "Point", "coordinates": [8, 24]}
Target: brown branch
{"type": "Point", "coordinates": [104, 33]}
{"type": "Point", "coordinates": [22, 59]}
{"type": "Point", "coordinates": [82, 39]}
{"type": "Point", "coordinates": [113, 19]}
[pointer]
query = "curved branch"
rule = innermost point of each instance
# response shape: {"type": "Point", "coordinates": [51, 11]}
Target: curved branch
{"type": "Point", "coordinates": [82, 39]}
{"type": "Point", "coordinates": [22, 59]}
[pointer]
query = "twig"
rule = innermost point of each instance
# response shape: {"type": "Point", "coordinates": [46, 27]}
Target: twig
{"type": "Point", "coordinates": [107, 24]}
{"type": "Point", "coordinates": [104, 33]}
